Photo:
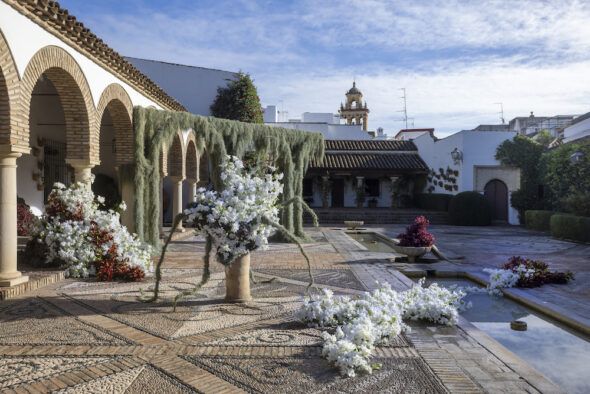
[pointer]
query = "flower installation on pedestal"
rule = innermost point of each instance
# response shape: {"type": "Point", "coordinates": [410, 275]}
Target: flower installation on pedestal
{"type": "Point", "coordinates": [416, 241]}
{"type": "Point", "coordinates": [75, 233]}
{"type": "Point", "coordinates": [236, 220]}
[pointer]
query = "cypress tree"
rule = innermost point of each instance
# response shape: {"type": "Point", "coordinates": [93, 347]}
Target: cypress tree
{"type": "Point", "coordinates": [238, 101]}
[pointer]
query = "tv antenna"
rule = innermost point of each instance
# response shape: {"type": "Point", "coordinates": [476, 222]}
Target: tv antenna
{"type": "Point", "coordinates": [501, 113]}
{"type": "Point", "coordinates": [405, 110]}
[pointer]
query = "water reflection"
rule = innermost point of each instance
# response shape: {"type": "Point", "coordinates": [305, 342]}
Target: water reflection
{"type": "Point", "coordinates": [372, 242]}
{"type": "Point", "coordinates": [551, 348]}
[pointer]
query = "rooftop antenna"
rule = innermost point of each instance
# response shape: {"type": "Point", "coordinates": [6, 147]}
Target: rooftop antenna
{"type": "Point", "coordinates": [501, 113]}
{"type": "Point", "coordinates": [405, 110]}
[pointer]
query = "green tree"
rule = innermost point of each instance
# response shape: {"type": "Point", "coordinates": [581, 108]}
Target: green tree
{"type": "Point", "coordinates": [238, 101]}
{"type": "Point", "coordinates": [567, 180]}
{"type": "Point", "coordinates": [544, 138]}
{"type": "Point", "coordinates": [524, 153]}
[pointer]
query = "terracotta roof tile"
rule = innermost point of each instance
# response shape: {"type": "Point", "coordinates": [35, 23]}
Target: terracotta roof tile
{"type": "Point", "coordinates": [370, 145]}
{"type": "Point", "coordinates": [370, 161]}
{"type": "Point", "coordinates": [57, 20]}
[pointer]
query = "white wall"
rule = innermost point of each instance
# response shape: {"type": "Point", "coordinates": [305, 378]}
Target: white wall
{"type": "Point", "coordinates": [576, 131]}
{"type": "Point", "coordinates": [320, 117]}
{"type": "Point", "coordinates": [479, 149]}
{"type": "Point", "coordinates": [330, 131]}
{"type": "Point", "coordinates": [25, 38]}
{"type": "Point", "coordinates": [194, 87]}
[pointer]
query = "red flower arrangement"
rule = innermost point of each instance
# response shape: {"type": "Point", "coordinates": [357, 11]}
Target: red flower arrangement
{"type": "Point", "coordinates": [417, 234]}
{"type": "Point", "coordinates": [25, 219]}
{"type": "Point", "coordinates": [541, 276]}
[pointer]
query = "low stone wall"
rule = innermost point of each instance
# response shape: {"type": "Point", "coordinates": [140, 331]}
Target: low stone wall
{"type": "Point", "coordinates": [375, 215]}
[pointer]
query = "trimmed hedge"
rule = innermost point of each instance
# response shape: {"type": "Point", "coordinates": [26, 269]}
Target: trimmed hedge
{"type": "Point", "coordinates": [433, 201]}
{"type": "Point", "coordinates": [538, 220]}
{"type": "Point", "coordinates": [470, 209]}
{"type": "Point", "coordinates": [571, 227]}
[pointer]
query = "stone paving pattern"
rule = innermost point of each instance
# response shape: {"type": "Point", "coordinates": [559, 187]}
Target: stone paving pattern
{"type": "Point", "coordinates": [83, 336]}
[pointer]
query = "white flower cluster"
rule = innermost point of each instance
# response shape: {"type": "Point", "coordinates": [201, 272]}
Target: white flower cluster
{"type": "Point", "coordinates": [361, 323]}
{"type": "Point", "coordinates": [66, 226]}
{"type": "Point", "coordinates": [237, 217]}
{"type": "Point", "coordinates": [501, 278]}
{"type": "Point", "coordinates": [433, 303]}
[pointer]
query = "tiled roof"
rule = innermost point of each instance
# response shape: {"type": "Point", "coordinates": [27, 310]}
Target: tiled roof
{"type": "Point", "coordinates": [53, 18]}
{"type": "Point", "coordinates": [370, 161]}
{"type": "Point", "coordinates": [370, 145]}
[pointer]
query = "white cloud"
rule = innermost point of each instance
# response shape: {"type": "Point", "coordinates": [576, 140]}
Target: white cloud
{"type": "Point", "coordinates": [456, 58]}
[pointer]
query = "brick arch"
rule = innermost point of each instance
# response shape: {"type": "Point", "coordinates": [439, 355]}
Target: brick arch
{"type": "Point", "coordinates": [117, 102]}
{"type": "Point", "coordinates": [9, 82]}
{"type": "Point", "coordinates": [176, 158]}
{"type": "Point", "coordinates": [192, 158]}
{"type": "Point", "coordinates": [76, 99]}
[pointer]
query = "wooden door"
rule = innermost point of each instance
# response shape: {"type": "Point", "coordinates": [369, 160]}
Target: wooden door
{"type": "Point", "coordinates": [497, 194]}
{"type": "Point", "coordinates": [337, 193]}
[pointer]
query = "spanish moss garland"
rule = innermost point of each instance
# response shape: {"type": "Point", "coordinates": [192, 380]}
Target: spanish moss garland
{"type": "Point", "coordinates": [289, 150]}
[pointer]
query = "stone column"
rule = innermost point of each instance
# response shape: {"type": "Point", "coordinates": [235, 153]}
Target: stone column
{"type": "Point", "coordinates": [193, 183]}
{"type": "Point", "coordinates": [128, 196]}
{"type": "Point", "coordinates": [82, 170]}
{"type": "Point", "coordinates": [161, 197]}
{"type": "Point", "coordinates": [177, 200]}
{"type": "Point", "coordinates": [394, 193]}
{"type": "Point", "coordinates": [9, 276]}
{"type": "Point", "coordinates": [360, 188]}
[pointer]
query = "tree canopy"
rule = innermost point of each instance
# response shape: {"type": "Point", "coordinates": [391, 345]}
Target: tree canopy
{"type": "Point", "coordinates": [238, 101]}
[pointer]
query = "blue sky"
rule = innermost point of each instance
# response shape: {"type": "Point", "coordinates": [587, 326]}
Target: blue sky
{"type": "Point", "coordinates": [455, 58]}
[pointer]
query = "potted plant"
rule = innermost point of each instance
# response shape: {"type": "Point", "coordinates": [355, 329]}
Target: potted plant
{"type": "Point", "coordinates": [416, 241]}
{"type": "Point", "coordinates": [237, 220]}
{"type": "Point", "coordinates": [360, 196]}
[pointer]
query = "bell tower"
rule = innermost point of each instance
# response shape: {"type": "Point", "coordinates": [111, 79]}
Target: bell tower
{"type": "Point", "coordinates": [354, 111]}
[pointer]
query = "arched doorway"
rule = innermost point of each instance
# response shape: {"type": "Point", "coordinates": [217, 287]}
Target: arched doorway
{"type": "Point", "coordinates": [496, 192]}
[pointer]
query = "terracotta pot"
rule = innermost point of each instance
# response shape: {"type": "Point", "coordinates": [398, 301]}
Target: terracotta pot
{"type": "Point", "coordinates": [412, 252]}
{"type": "Point", "coordinates": [237, 280]}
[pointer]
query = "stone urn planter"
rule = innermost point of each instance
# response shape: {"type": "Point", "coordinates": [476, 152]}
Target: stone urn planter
{"type": "Point", "coordinates": [353, 224]}
{"type": "Point", "coordinates": [412, 252]}
{"type": "Point", "coordinates": [237, 280]}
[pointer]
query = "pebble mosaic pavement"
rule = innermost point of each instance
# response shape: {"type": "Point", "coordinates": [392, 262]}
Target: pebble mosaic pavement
{"type": "Point", "coordinates": [88, 337]}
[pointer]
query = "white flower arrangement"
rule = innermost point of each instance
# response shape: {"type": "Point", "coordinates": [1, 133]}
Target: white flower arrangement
{"type": "Point", "coordinates": [361, 323]}
{"type": "Point", "coordinates": [237, 218]}
{"type": "Point", "coordinates": [70, 227]}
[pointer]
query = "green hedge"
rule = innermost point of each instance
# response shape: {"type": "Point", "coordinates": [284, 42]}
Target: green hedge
{"type": "Point", "coordinates": [433, 201]}
{"type": "Point", "coordinates": [538, 220]}
{"type": "Point", "coordinates": [571, 227]}
{"type": "Point", "coordinates": [470, 209]}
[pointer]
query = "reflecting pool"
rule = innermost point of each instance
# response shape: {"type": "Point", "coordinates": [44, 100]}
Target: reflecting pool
{"type": "Point", "coordinates": [553, 349]}
{"type": "Point", "coordinates": [372, 242]}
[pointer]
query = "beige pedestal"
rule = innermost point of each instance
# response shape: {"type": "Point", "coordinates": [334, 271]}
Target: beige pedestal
{"type": "Point", "coordinates": [237, 280]}
{"type": "Point", "coordinates": [9, 275]}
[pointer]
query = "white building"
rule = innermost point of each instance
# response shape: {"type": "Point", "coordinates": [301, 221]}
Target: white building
{"type": "Point", "coordinates": [410, 134]}
{"type": "Point", "coordinates": [467, 161]}
{"type": "Point", "coordinates": [578, 130]}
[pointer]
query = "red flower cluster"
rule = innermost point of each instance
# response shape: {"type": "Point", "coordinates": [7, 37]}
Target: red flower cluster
{"type": "Point", "coordinates": [417, 234]}
{"type": "Point", "coordinates": [542, 274]}
{"type": "Point", "coordinates": [110, 269]}
{"type": "Point", "coordinates": [25, 219]}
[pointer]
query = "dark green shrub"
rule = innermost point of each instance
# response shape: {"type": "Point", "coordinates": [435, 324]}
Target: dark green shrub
{"type": "Point", "coordinates": [538, 220]}
{"type": "Point", "coordinates": [433, 201]}
{"type": "Point", "coordinates": [578, 204]}
{"type": "Point", "coordinates": [470, 209]}
{"type": "Point", "coordinates": [575, 228]}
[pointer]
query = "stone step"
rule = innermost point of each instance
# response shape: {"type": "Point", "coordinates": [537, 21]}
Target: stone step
{"type": "Point", "coordinates": [376, 216]}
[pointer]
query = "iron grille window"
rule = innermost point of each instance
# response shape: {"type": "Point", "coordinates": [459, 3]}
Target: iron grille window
{"type": "Point", "coordinates": [55, 168]}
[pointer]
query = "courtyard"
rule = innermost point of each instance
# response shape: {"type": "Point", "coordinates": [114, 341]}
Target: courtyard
{"type": "Point", "coordinates": [86, 336]}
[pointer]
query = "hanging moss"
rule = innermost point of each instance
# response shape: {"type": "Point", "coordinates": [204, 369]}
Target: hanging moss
{"type": "Point", "coordinates": [289, 150]}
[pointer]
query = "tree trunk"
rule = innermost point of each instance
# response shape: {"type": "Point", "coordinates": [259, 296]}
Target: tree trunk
{"type": "Point", "coordinates": [237, 280]}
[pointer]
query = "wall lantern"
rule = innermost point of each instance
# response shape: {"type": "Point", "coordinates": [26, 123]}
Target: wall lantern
{"type": "Point", "coordinates": [457, 156]}
{"type": "Point", "coordinates": [576, 157]}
